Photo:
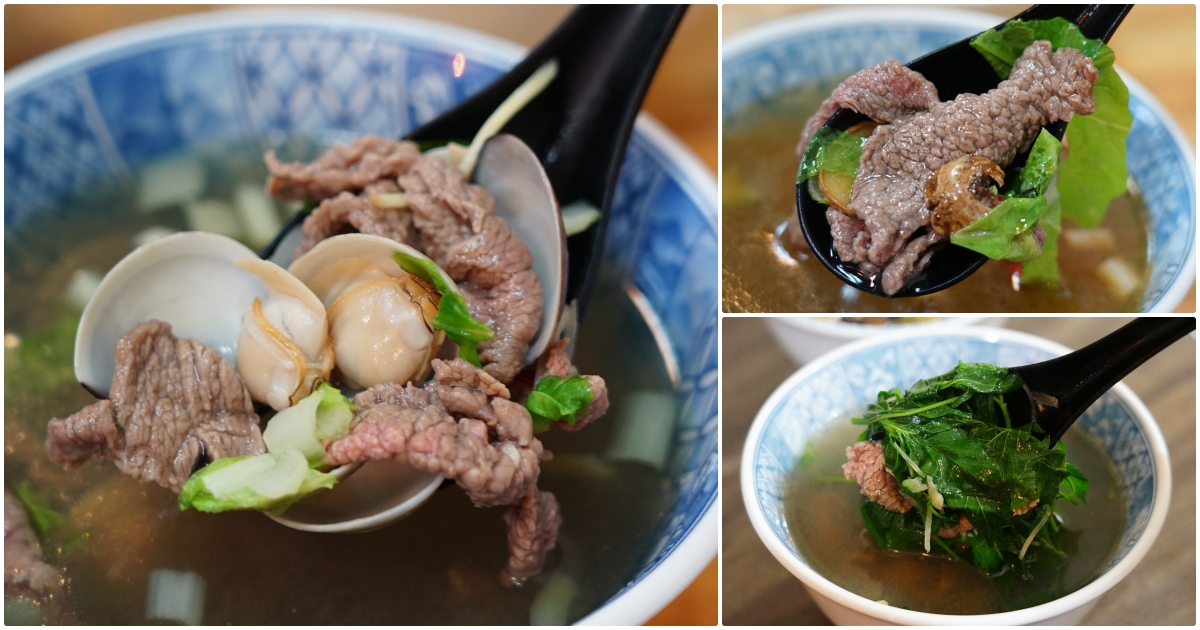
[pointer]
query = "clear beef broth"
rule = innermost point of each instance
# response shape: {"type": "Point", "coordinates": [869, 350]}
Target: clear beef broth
{"type": "Point", "coordinates": [762, 274]}
{"type": "Point", "coordinates": [822, 511]}
{"type": "Point", "coordinates": [441, 565]}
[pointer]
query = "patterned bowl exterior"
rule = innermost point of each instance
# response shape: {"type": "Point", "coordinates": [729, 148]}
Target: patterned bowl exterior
{"type": "Point", "coordinates": [97, 110]}
{"type": "Point", "coordinates": [826, 46]}
{"type": "Point", "coordinates": [805, 407]}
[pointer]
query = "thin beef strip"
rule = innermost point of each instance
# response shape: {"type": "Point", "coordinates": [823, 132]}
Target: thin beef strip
{"type": "Point", "coordinates": [343, 168]}
{"type": "Point", "coordinates": [171, 400]}
{"type": "Point", "coordinates": [455, 224]}
{"type": "Point", "coordinates": [867, 465]}
{"type": "Point", "coordinates": [462, 426]}
{"type": "Point", "coordinates": [887, 92]}
{"type": "Point", "coordinates": [24, 567]}
{"type": "Point", "coordinates": [888, 195]}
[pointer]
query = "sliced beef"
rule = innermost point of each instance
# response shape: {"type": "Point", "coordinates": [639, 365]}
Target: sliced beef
{"type": "Point", "coordinates": [886, 92]}
{"type": "Point", "coordinates": [462, 426]}
{"type": "Point", "coordinates": [867, 465]}
{"type": "Point", "coordinates": [341, 169]}
{"type": "Point", "coordinates": [533, 526]}
{"type": "Point", "coordinates": [963, 526]}
{"type": "Point", "coordinates": [352, 213]}
{"type": "Point", "coordinates": [889, 193]}
{"type": "Point", "coordinates": [460, 231]}
{"type": "Point", "coordinates": [171, 400]}
{"type": "Point", "coordinates": [416, 425]}
{"type": "Point", "coordinates": [455, 224]}
{"type": "Point", "coordinates": [24, 567]}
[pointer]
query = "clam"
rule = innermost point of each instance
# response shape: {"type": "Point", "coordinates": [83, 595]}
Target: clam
{"type": "Point", "coordinates": [213, 289]}
{"type": "Point", "coordinates": [380, 317]}
{"type": "Point", "coordinates": [284, 349]}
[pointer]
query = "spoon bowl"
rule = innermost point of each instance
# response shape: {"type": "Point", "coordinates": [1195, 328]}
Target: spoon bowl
{"type": "Point", "coordinates": [955, 69]}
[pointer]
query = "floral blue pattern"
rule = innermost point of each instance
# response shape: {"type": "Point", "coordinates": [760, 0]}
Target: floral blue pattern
{"type": "Point", "coordinates": [794, 54]}
{"type": "Point", "coordinates": [95, 117]}
{"type": "Point", "coordinates": [844, 387]}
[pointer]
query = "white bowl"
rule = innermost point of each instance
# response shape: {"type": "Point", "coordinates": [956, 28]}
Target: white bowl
{"type": "Point", "coordinates": [843, 382]}
{"type": "Point", "coordinates": [806, 338]}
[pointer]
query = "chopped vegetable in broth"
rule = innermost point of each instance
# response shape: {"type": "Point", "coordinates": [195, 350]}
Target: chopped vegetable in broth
{"type": "Point", "coordinates": [823, 516]}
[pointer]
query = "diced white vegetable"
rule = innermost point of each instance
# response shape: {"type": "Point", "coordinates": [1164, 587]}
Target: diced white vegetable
{"type": "Point", "coordinates": [169, 182]}
{"type": "Point", "coordinates": [578, 216]}
{"type": "Point", "coordinates": [935, 497]}
{"type": "Point", "coordinates": [257, 214]}
{"type": "Point", "coordinates": [213, 215]}
{"type": "Point", "coordinates": [283, 479]}
{"type": "Point", "coordinates": [914, 485]}
{"type": "Point", "coordinates": [552, 605]}
{"type": "Point", "coordinates": [80, 288]}
{"type": "Point", "coordinates": [296, 427]}
{"type": "Point", "coordinates": [175, 596]}
{"type": "Point", "coordinates": [644, 428]}
{"type": "Point", "coordinates": [1119, 275]}
{"type": "Point", "coordinates": [1099, 239]}
{"type": "Point", "coordinates": [389, 201]}
{"type": "Point", "coordinates": [152, 233]}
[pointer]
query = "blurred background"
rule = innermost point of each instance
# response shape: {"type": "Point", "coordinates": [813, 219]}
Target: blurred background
{"type": "Point", "coordinates": [1156, 44]}
{"type": "Point", "coordinates": [1161, 590]}
{"type": "Point", "coordinates": [683, 96]}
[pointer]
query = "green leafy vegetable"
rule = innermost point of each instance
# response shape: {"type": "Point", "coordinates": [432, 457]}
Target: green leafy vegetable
{"type": "Point", "coordinates": [557, 398]}
{"type": "Point", "coordinates": [950, 444]}
{"type": "Point", "coordinates": [1094, 171]}
{"type": "Point", "coordinates": [831, 150]}
{"type": "Point", "coordinates": [1044, 268]}
{"type": "Point", "coordinates": [320, 417]}
{"type": "Point", "coordinates": [452, 316]}
{"type": "Point", "coordinates": [1006, 232]}
{"type": "Point", "coordinates": [271, 482]}
{"type": "Point", "coordinates": [43, 518]}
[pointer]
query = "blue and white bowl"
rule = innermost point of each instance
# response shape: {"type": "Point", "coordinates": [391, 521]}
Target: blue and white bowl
{"type": "Point", "coordinates": [829, 44]}
{"type": "Point", "coordinates": [842, 383]}
{"type": "Point", "coordinates": [97, 109]}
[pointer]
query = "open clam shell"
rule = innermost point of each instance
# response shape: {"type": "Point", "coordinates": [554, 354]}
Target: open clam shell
{"type": "Point", "coordinates": [379, 316]}
{"type": "Point", "coordinates": [188, 280]}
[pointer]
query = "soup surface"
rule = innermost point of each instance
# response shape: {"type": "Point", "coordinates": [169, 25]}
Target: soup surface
{"type": "Point", "coordinates": [441, 565]}
{"type": "Point", "coordinates": [822, 510]}
{"type": "Point", "coordinates": [763, 273]}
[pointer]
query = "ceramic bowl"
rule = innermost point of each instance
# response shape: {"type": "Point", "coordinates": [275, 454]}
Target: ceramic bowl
{"type": "Point", "coordinates": [842, 383]}
{"type": "Point", "coordinates": [806, 338]}
{"type": "Point", "coordinates": [830, 44]}
{"type": "Point", "coordinates": [98, 108]}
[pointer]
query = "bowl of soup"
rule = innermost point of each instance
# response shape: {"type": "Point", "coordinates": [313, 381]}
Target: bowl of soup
{"type": "Point", "coordinates": [774, 76]}
{"type": "Point", "coordinates": [808, 515]}
{"type": "Point", "coordinates": [115, 141]}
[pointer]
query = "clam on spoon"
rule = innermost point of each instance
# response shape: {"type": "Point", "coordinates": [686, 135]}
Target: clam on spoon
{"type": "Point", "coordinates": [955, 69]}
{"type": "Point", "coordinates": [565, 145]}
{"type": "Point", "coordinates": [1058, 391]}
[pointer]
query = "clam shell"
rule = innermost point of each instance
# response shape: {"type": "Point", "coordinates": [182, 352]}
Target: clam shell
{"type": "Point", "coordinates": [188, 280]}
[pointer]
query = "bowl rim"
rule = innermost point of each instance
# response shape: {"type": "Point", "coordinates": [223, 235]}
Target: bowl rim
{"type": "Point", "coordinates": [833, 327]}
{"type": "Point", "coordinates": [791, 26]}
{"type": "Point", "coordinates": [861, 605]}
{"type": "Point", "coordinates": [636, 603]}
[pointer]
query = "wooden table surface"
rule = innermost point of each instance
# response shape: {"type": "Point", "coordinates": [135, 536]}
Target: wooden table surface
{"type": "Point", "coordinates": [1161, 590]}
{"type": "Point", "coordinates": [1156, 44]}
{"type": "Point", "coordinates": [683, 96]}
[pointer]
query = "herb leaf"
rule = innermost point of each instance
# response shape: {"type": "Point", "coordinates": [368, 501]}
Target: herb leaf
{"type": "Point", "coordinates": [453, 316]}
{"type": "Point", "coordinates": [557, 398]}
{"type": "Point", "coordinates": [831, 150]}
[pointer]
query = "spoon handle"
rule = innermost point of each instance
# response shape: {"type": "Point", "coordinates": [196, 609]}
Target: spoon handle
{"type": "Point", "coordinates": [579, 125]}
{"type": "Point", "coordinates": [1078, 379]}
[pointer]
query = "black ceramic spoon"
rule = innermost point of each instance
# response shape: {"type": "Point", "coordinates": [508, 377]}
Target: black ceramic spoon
{"type": "Point", "coordinates": [579, 125]}
{"type": "Point", "coordinates": [955, 69]}
{"type": "Point", "coordinates": [1060, 390]}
